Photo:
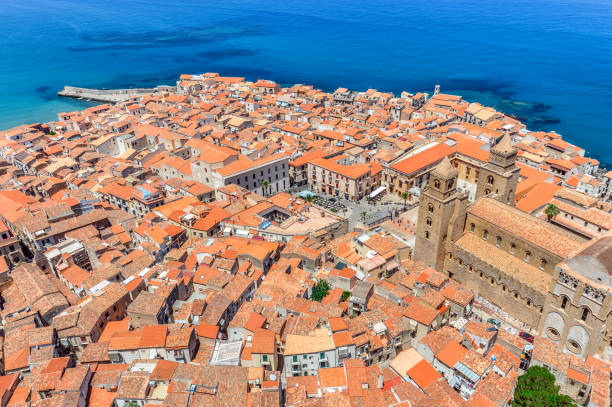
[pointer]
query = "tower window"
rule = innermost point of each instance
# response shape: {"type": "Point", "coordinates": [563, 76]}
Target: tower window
{"type": "Point", "coordinates": [490, 180]}
{"type": "Point", "coordinates": [428, 221]}
{"type": "Point", "coordinates": [527, 255]}
{"type": "Point", "coordinates": [472, 228]}
{"type": "Point", "coordinates": [426, 234]}
{"type": "Point", "coordinates": [512, 248]}
{"type": "Point", "coordinates": [543, 264]}
{"type": "Point", "coordinates": [564, 302]}
{"type": "Point", "coordinates": [430, 208]}
{"type": "Point", "coordinates": [585, 314]}
{"type": "Point", "coordinates": [437, 184]}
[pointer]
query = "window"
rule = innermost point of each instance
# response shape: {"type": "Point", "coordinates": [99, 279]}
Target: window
{"type": "Point", "coordinates": [527, 255]}
{"type": "Point", "coordinates": [264, 358]}
{"type": "Point", "coordinates": [437, 184]}
{"type": "Point", "coordinates": [430, 208]}
{"type": "Point", "coordinates": [426, 234]}
{"type": "Point", "coordinates": [322, 355]}
{"type": "Point", "coordinates": [498, 241]}
{"type": "Point", "coordinates": [485, 234]}
{"type": "Point", "coordinates": [295, 359]}
{"type": "Point", "coordinates": [552, 333]}
{"type": "Point", "coordinates": [428, 221]}
{"type": "Point", "coordinates": [574, 346]}
{"type": "Point", "coordinates": [490, 180]}
{"type": "Point", "coordinates": [585, 314]}
{"type": "Point", "coordinates": [512, 248]}
{"type": "Point", "coordinates": [472, 228]}
{"type": "Point", "coordinates": [543, 264]}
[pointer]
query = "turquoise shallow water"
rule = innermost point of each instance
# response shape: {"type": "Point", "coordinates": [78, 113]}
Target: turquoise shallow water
{"type": "Point", "coordinates": [549, 62]}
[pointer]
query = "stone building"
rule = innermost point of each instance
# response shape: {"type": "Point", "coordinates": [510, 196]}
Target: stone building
{"type": "Point", "coordinates": [577, 314]}
{"type": "Point", "coordinates": [441, 215]}
{"type": "Point", "coordinates": [499, 175]}
{"type": "Point", "coordinates": [508, 257]}
{"type": "Point", "coordinates": [501, 253]}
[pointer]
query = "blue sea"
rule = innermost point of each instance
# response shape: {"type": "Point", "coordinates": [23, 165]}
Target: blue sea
{"type": "Point", "coordinates": [547, 61]}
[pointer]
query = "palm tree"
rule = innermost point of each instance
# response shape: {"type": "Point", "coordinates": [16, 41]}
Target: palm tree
{"type": "Point", "coordinates": [264, 186]}
{"type": "Point", "coordinates": [551, 211]}
{"type": "Point", "coordinates": [405, 196]}
{"type": "Point", "coordinates": [364, 216]}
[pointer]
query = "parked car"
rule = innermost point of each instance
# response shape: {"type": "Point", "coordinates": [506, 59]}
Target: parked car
{"type": "Point", "coordinates": [511, 330]}
{"type": "Point", "coordinates": [493, 321]}
{"type": "Point", "coordinates": [526, 336]}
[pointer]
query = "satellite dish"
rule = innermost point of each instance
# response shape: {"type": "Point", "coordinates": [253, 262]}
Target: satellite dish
{"type": "Point", "coordinates": [272, 376]}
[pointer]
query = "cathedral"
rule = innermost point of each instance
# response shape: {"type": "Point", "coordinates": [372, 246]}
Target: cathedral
{"type": "Point", "coordinates": [552, 280]}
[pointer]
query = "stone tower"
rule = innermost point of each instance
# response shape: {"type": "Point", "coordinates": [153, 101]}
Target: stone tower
{"type": "Point", "coordinates": [500, 175]}
{"type": "Point", "coordinates": [441, 215]}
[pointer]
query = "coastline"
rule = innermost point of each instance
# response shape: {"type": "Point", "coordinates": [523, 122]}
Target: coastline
{"type": "Point", "coordinates": [532, 113]}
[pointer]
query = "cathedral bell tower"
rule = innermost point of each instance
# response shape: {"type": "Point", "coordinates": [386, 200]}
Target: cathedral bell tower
{"type": "Point", "coordinates": [441, 215]}
{"type": "Point", "coordinates": [499, 176]}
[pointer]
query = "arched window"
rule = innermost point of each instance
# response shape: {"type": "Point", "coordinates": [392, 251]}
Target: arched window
{"type": "Point", "coordinates": [512, 248]}
{"type": "Point", "coordinates": [437, 184]}
{"type": "Point", "coordinates": [527, 255]}
{"type": "Point", "coordinates": [450, 184]}
{"type": "Point", "coordinates": [498, 241]}
{"type": "Point", "coordinates": [472, 227]}
{"type": "Point", "coordinates": [428, 221]}
{"type": "Point", "coordinates": [585, 314]}
{"type": "Point", "coordinates": [543, 264]}
{"type": "Point", "coordinates": [426, 234]}
{"type": "Point", "coordinates": [490, 180]}
{"type": "Point", "coordinates": [487, 191]}
{"type": "Point", "coordinates": [485, 234]}
{"type": "Point", "coordinates": [430, 208]}
{"type": "Point", "coordinates": [564, 303]}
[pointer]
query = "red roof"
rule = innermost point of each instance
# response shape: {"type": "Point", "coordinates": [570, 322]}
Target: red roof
{"type": "Point", "coordinates": [423, 159]}
{"type": "Point", "coordinates": [423, 374]}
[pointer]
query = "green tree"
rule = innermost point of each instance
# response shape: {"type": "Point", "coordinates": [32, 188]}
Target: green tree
{"type": "Point", "coordinates": [364, 217]}
{"type": "Point", "coordinates": [536, 388]}
{"type": "Point", "coordinates": [405, 196]}
{"type": "Point", "coordinates": [264, 186]}
{"type": "Point", "coordinates": [320, 291]}
{"type": "Point", "coordinates": [345, 295]}
{"type": "Point", "coordinates": [309, 198]}
{"type": "Point", "coordinates": [551, 211]}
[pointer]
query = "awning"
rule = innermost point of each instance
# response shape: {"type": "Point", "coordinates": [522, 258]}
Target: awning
{"type": "Point", "coordinates": [305, 193]}
{"type": "Point", "coordinates": [377, 191]}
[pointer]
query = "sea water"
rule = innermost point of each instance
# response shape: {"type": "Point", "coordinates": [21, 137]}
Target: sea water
{"type": "Point", "coordinates": [548, 62]}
